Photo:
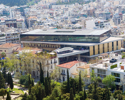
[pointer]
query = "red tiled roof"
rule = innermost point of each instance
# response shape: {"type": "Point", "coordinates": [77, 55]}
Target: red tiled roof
{"type": "Point", "coordinates": [69, 64]}
{"type": "Point", "coordinates": [8, 45]}
{"type": "Point", "coordinates": [84, 66]}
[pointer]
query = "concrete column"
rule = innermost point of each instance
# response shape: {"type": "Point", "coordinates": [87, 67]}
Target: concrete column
{"type": "Point", "coordinates": [79, 57]}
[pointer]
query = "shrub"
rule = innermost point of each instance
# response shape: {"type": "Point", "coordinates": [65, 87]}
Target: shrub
{"type": "Point", "coordinates": [123, 56]}
{"type": "Point", "coordinates": [113, 66]}
{"type": "Point", "coordinates": [24, 79]}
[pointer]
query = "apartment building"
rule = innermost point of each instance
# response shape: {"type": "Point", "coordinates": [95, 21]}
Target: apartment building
{"type": "Point", "coordinates": [2, 38]}
{"type": "Point", "coordinates": [12, 36]}
{"type": "Point", "coordinates": [112, 65]}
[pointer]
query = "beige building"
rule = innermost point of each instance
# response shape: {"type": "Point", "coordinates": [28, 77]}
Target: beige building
{"type": "Point", "coordinates": [8, 48]}
{"type": "Point", "coordinates": [30, 64]}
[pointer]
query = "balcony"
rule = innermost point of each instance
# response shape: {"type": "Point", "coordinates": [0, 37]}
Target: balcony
{"type": "Point", "coordinates": [63, 73]}
{"type": "Point", "coordinates": [55, 61]}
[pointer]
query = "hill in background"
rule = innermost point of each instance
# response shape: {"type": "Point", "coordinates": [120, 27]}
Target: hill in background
{"type": "Point", "coordinates": [74, 1]}
{"type": "Point", "coordinates": [18, 2]}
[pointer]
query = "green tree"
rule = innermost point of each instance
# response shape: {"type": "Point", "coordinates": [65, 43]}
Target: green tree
{"type": "Point", "coordinates": [8, 96]}
{"type": "Point", "coordinates": [8, 81]}
{"type": "Point", "coordinates": [71, 94]}
{"type": "Point", "coordinates": [80, 82]}
{"type": "Point", "coordinates": [85, 95]}
{"type": "Point", "coordinates": [39, 91]}
{"type": "Point", "coordinates": [3, 54]}
{"type": "Point", "coordinates": [68, 85]}
{"type": "Point", "coordinates": [32, 82]}
{"type": "Point", "coordinates": [43, 93]}
{"type": "Point", "coordinates": [116, 93]}
{"type": "Point", "coordinates": [74, 84]}
{"type": "Point", "coordinates": [95, 80]}
{"type": "Point", "coordinates": [2, 81]}
{"type": "Point", "coordinates": [30, 89]}
{"type": "Point", "coordinates": [120, 97]}
{"type": "Point", "coordinates": [55, 74]}
{"type": "Point", "coordinates": [11, 82]}
{"type": "Point", "coordinates": [4, 73]}
{"type": "Point", "coordinates": [66, 96]}
{"type": "Point", "coordinates": [31, 97]}
{"type": "Point", "coordinates": [41, 75]}
{"type": "Point", "coordinates": [56, 92]}
{"type": "Point", "coordinates": [29, 80]}
{"type": "Point", "coordinates": [109, 81]}
{"type": "Point", "coordinates": [39, 97]}
{"type": "Point", "coordinates": [24, 80]}
{"type": "Point", "coordinates": [46, 86]}
{"type": "Point", "coordinates": [3, 92]}
{"type": "Point", "coordinates": [24, 97]}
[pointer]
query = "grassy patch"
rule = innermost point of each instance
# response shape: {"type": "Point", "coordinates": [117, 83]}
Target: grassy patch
{"type": "Point", "coordinates": [20, 98]}
{"type": "Point", "coordinates": [113, 66]}
{"type": "Point", "coordinates": [20, 85]}
{"type": "Point", "coordinates": [18, 91]}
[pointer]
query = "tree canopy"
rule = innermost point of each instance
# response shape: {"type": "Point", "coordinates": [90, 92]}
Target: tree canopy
{"type": "Point", "coordinates": [109, 81]}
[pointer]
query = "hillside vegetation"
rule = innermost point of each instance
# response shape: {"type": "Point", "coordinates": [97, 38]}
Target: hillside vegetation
{"type": "Point", "coordinates": [74, 1]}
{"type": "Point", "coordinates": [18, 2]}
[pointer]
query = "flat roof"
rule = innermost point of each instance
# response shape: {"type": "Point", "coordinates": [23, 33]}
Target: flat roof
{"type": "Point", "coordinates": [75, 52]}
{"type": "Point", "coordinates": [66, 32]}
{"type": "Point", "coordinates": [110, 39]}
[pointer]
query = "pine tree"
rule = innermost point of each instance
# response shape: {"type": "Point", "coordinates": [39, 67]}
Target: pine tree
{"type": "Point", "coordinates": [60, 97]}
{"type": "Point", "coordinates": [49, 82]}
{"type": "Point", "coordinates": [8, 96]}
{"type": "Point", "coordinates": [120, 97]}
{"type": "Point", "coordinates": [41, 75]}
{"type": "Point", "coordinates": [29, 89]}
{"type": "Point", "coordinates": [46, 86]}
{"type": "Point", "coordinates": [74, 87]}
{"type": "Point", "coordinates": [2, 81]}
{"type": "Point", "coordinates": [68, 86]}
{"type": "Point", "coordinates": [32, 82]}
{"type": "Point", "coordinates": [29, 80]}
{"type": "Point", "coordinates": [85, 96]}
{"type": "Point", "coordinates": [39, 97]}
{"type": "Point", "coordinates": [4, 73]}
{"type": "Point", "coordinates": [8, 81]}
{"type": "Point", "coordinates": [11, 82]}
{"type": "Point", "coordinates": [71, 94]}
{"type": "Point", "coordinates": [47, 74]}
{"type": "Point", "coordinates": [43, 93]}
{"type": "Point", "coordinates": [80, 82]}
{"type": "Point", "coordinates": [31, 97]}
{"type": "Point", "coordinates": [24, 97]}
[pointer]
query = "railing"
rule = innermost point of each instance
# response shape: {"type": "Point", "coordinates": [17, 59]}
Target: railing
{"type": "Point", "coordinates": [55, 61]}
{"type": "Point", "coordinates": [63, 74]}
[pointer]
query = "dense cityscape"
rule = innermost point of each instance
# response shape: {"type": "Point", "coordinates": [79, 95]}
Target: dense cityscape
{"type": "Point", "coordinates": [62, 49]}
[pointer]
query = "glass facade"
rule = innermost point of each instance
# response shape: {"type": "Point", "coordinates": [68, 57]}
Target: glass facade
{"type": "Point", "coordinates": [62, 38]}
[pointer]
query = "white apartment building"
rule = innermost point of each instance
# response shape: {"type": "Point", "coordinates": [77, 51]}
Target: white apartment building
{"type": "Point", "coordinates": [104, 68]}
{"type": "Point", "coordinates": [2, 38]}
{"type": "Point", "coordinates": [12, 36]}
